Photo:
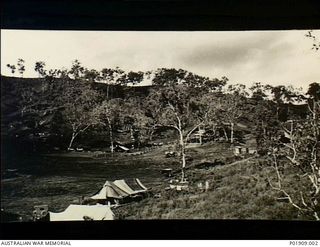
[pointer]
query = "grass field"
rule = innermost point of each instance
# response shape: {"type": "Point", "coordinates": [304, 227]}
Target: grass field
{"type": "Point", "coordinates": [236, 191]}
{"type": "Point", "coordinates": [59, 180]}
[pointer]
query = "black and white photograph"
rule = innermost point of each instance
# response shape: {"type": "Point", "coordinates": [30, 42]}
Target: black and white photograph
{"type": "Point", "coordinates": [140, 125]}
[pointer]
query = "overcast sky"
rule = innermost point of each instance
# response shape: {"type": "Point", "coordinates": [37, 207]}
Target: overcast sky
{"type": "Point", "coordinates": [275, 57]}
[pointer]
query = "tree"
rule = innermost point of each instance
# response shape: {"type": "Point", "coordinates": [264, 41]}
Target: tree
{"type": "Point", "coordinates": [204, 83]}
{"type": "Point", "coordinates": [53, 73]}
{"type": "Point", "coordinates": [39, 67]}
{"type": "Point", "coordinates": [261, 113]}
{"type": "Point", "coordinates": [258, 91]}
{"type": "Point", "coordinates": [107, 115]}
{"type": "Point", "coordinates": [299, 151]}
{"type": "Point", "coordinates": [78, 100]}
{"type": "Point", "coordinates": [168, 77]}
{"type": "Point", "coordinates": [134, 77]}
{"type": "Point", "coordinates": [133, 115]}
{"type": "Point", "coordinates": [21, 67]}
{"type": "Point", "coordinates": [12, 68]}
{"type": "Point", "coordinates": [280, 96]}
{"type": "Point", "coordinates": [37, 108]}
{"type": "Point", "coordinates": [232, 106]}
{"type": "Point", "coordinates": [77, 70]}
{"type": "Point", "coordinates": [62, 73]}
{"type": "Point", "coordinates": [315, 41]}
{"type": "Point", "coordinates": [91, 75]}
{"type": "Point", "coordinates": [113, 77]}
{"type": "Point", "coordinates": [175, 112]}
{"type": "Point", "coordinates": [172, 77]}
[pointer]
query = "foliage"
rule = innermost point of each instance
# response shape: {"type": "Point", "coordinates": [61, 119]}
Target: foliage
{"type": "Point", "coordinates": [315, 41]}
{"type": "Point", "coordinates": [21, 67]}
{"type": "Point", "coordinates": [300, 149]}
{"type": "Point", "coordinates": [12, 68]}
{"type": "Point", "coordinates": [107, 114]}
{"type": "Point", "coordinates": [176, 106]}
{"type": "Point", "coordinates": [171, 77]}
{"type": "Point", "coordinates": [78, 101]}
{"type": "Point", "coordinates": [134, 77]}
{"type": "Point", "coordinates": [40, 68]}
{"type": "Point", "coordinates": [77, 70]}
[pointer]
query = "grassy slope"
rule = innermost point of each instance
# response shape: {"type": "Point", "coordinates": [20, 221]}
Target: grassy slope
{"type": "Point", "coordinates": [237, 191]}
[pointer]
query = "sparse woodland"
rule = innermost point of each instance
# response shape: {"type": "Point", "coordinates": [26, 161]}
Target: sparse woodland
{"type": "Point", "coordinates": [83, 107]}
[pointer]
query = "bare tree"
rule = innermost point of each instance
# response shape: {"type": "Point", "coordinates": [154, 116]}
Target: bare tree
{"type": "Point", "coordinates": [107, 113]}
{"type": "Point", "coordinates": [301, 150]}
{"type": "Point", "coordinates": [78, 100]}
{"type": "Point", "coordinates": [176, 113]}
{"type": "Point", "coordinates": [231, 107]}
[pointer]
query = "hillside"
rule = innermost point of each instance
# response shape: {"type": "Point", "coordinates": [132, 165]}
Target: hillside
{"type": "Point", "coordinates": [239, 190]}
{"type": "Point", "coordinates": [16, 91]}
{"type": "Point", "coordinates": [220, 142]}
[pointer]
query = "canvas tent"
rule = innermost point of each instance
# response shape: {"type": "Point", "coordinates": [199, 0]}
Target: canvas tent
{"type": "Point", "coordinates": [120, 189]}
{"type": "Point", "coordinates": [83, 212]}
{"type": "Point", "coordinates": [109, 189]}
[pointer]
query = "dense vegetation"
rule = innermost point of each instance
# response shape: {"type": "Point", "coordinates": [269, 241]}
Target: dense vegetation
{"type": "Point", "coordinates": [64, 109]}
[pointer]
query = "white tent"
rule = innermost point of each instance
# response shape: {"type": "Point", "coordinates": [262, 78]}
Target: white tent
{"type": "Point", "coordinates": [109, 190]}
{"type": "Point", "coordinates": [120, 189]}
{"type": "Point", "coordinates": [123, 185]}
{"type": "Point", "coordinates": [82, 212]}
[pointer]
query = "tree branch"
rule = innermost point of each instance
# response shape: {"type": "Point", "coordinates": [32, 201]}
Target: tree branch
{"type": "Point", "coordinates": [191, 131]}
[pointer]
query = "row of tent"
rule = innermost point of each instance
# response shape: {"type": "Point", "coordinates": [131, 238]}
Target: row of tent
{"type": "Point", "coordinates": [120, 190]}
{"type": "Point", "coordinates": [116, 192]}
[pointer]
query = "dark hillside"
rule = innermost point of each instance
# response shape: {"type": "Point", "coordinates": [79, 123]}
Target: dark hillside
{"type": "Point", "coordinates": [10, 86]}
{"type": "Point", "coordinates": [18, 92]}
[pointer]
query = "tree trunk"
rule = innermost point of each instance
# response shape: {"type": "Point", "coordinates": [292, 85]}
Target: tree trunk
{"type": "Point", "coordinates": [132, 137]}
{"type": "Point", "coordinates": [225, 134]}
{"type": "Point", "coordinates": [183, 155]}
{"type": "Point", "coordinates": [111, 136]}
{"type": "Point", "coordinates": [151, 134]}
{"type": "Point", "coordinates": [72, 139]}
{"type": "Point", "coordinates": [314, 116]}
{"type": "Point", "coordinates": [214, 130]}
{"type": "Point", "coordinates": [231, 135]}
{"type": "Point", "coordinates": [200, 135]}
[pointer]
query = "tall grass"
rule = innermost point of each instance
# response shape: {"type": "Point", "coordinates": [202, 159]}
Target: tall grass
{"type": "Point", "coordinates": [237, 192]}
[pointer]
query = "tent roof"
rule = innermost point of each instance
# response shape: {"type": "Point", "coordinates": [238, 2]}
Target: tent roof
{"type": "Point", "coordinates": [124, 186]}
{"type": "Point", "coordinates": [78, 212]}
{"type": "Point", "coordinates": [120, 189]}
{"type": "Point", "coordinates": [136, 185]}
{"type": "Point", "coordinates": [110, 190]}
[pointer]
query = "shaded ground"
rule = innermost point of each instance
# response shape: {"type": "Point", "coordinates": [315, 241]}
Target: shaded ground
{"type": "Point", "coordinates": [60, 179]}
{"type": "Point", "coordinates": [238, 190]}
